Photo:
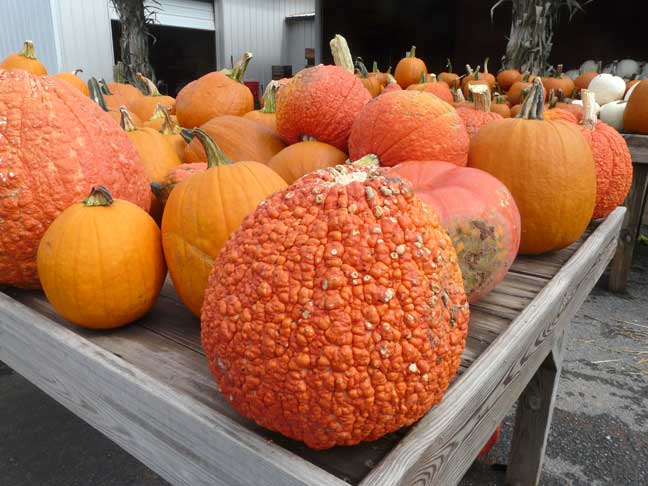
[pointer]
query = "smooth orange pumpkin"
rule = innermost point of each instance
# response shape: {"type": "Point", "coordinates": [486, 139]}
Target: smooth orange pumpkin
{"type": "Point", "coordinates": [372, 83]}
{"type": "Point", "coordinates": [488, 77]}
{"type": "Point", "coordinates": [25, 60]}
{"type": "Point", "coordinates": [96, 94]}
{"type": "Point", "coordinates": [73, 78]}
{"type": "Point", "coordinates": [170, 130]}
{"type": "Point", "coordinates": [144, 107]}
{"type": "Point", "coordinates": [583, 81]}
{"type": "Point", "coordinates": [506, 78]}
{"type": "Point", "coordinates": [432, 86]}
{"type": "Point", "coordinates": [449, 77]}
{"type": "Point", "coordinates": [100, 262]}
{"type": "Point", "coordinates": [635, 118]}
{"type": "Point", "coordinates": [159, 118]}
{"type": "Point", "coordinates": [559, 82]}
{"type": "Point", "coordinates": [517, 92]}
{"type": "Point", "coordinates": [409, 69]}
{"type": "Point", "coordinates": [54, 147]}
{"type": "Point", "coordinates": [219, 198]}
{"type": "Point", "coordinates": [549, 169]}
{"type": "Point", "coordinates": [127, 92]}
{"type": "Point", "coordinates": [302, 158]}
{"type": "Point", "coordinates": [501, 107]}
{"type": "Point", "coordinates": [480, 114]}
{"type": "Point", "coordinates": [409, 125]}
{"type": "Point", "coordinates": [266, 116]}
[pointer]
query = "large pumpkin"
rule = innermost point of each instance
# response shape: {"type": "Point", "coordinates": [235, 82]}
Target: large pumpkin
{"type": "Point", "coordinates": [72, 77]}
{"type": "Point", "coordinates": [25, 60]}
{"type": "Point", "coordinates": [612, 158]}
{"type": "Point", "coordinates": [202, 212]}
{"type": "Point", "coordinates": [429, 84]}
{"type": "Point", "coordinates": [478, 115]}
{"type": "Point", "coordinates": [409, 125]}
{"type": "Point", "coordinates": [239, 138]}
{"type": "Point", "coordinates": [479, 214]}
{"type": "Point", "coordinates": [635, 118]}
{"type": "Point", "coordinates": [267, 116]}
{"type": "Point", "coordinates": [549, 169]}
{"type": "Point", "coordinates": [336, 313]}
{"type": "Point", "coordinates": [54, 147]}
{"type": "Point", "coordinates": [100, 262]}
{"type": "Point", "coordinates": [215, 94]}
{"type": "Point", "coordinates": [303, 158]}
{"type": "Point", "coordinates": [127, 92]}
{"type": "Point", "coordinates": [409, 69]}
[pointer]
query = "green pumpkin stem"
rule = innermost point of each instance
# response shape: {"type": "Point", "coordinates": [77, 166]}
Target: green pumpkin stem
{"type": "Point", "coordinates": [374, 68]}
{"type": "Point", "coordinates": [95, 93]}
{"type": "Point", "coordinates": [476, 74]}
{"type": "Point", "coordinates": [270, 98]}
{"type": "Point", "coordinates": [169, 127]}
{"type": "Point", "coordinates": [553, 99]}
{"type": "Point", "coordinates": [215, 156]}
{"type": "Point", "coordinates": [150, 85]}
{"type": "Point", "coordinates": [533, 106]}
{"type": "Point", "coordinates": [341, 53]}
{"type": "Point", "coordinates": [423, 78]}
{"type": "Point", "coordinates": [362, 68]}
{"type": "Point", "coordinates": [412, 52]}
{"type": "Point", "coordinates": [369, 160]}
{"type": "Point", "coordinates": [99, 196]}
{"type": "Point", "coordinates": [126, 123]}
{"type": "Point", "coordinates": [526, 76]}
{"type": "Point", "coordinates": [104, 87]}
{"type": "Point", "coordinates": [238, 71]}
{"type": "Point", "coordinates": [28, 50]}
{"type": "Point", "coordinates": [449, 66]}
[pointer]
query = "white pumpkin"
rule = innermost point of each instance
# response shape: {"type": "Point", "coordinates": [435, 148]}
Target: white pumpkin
{"type": "Point", "coordinates": [627, 68]}
{"type": "Point", "coordinates": [589, 66]}
{"type": "Point", "coordinates": [573, 74]}
{"type": "Point", "coordinates": [644, 72]}
{"type": "Point", "coordinates": [596, 106]}
{"type": "Point", "coordinates": [612, 114]}
{"type": "Point", "coordinates": [607, 88]}
{"type": "Point", "coordinates": [610, 68]}
{"type": "Point", "coordinates": [627, 95]}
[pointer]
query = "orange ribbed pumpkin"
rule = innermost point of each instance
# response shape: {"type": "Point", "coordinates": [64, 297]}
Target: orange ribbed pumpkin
{"type": "Point", "coordinates": [409, 69]}
{"type": "Point", "coordinates": [54, 146]}
{"type": "Point", "coordinates": [333, 317]}
{"type": "Point", "coordinates": [303, 158]}
{"type": "Point", "coordinates": [559, 82]}
{"type": "Point", "coordinates": [480, 114]}
{"type": "Point", "coordinates": [431, 85]}
{"type": "Point", "coordinates": [72, 77]}
{"type": "Point", "coordinates": [127, 92]}
{"type": "Point", "coordinates": [506, 78]}
{"type": "Point", "coordinates": [501, 107]}
{"type": "Point", "coordinates": [25, 60]}
{"type": "Point", "coordinates": [449, 77]}
{"type": "Point", "coordinates": [96, 94]}
{"type": "Point", "coordinates": [144, 106]}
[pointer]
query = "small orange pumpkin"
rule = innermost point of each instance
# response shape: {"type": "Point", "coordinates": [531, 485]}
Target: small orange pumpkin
{"type": "Point", "coordinates": [583, 81]}
{"type": "Point", "coordinates": [127, 92]}
{"type": "Point", "coordinates": [473, 78]}
{"type": "Point", "coordinates": [501, 107]}
{"type": "Point", "coordinates": [449, 77]}
{"type": "Point", "coordinates": [25, 60]}
{"type": "Point", "coordinates": [96, 95]}
{"type": "Point", "coordinates": [144, 107]}
{"type": "Point", "coordinates": [171, 132]}
{"type": "Point", "coordinates": [302, 158]}
{"type": "Point", "coordinates": [158, 118]}
{"type": "Point", "coordinates": [430, 85]}
{"type": "Point", "coordinates": [409, 69]}
{"type": "Point", "coordinates": [72, 77]}
{"type": "Point", "coordinates": [372, 83]}
{"type": "Point", "coordinates": [506, 78]}
{"type": "Point", "coordinates": [559, 82]}
{"type": "Point", "coordinates": [267, 116]}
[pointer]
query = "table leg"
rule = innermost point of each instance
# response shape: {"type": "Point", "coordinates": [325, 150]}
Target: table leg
{"type": "Point", "coordinates": [630, 229]}
{"type": "Point", "coordinates": [533, 419]}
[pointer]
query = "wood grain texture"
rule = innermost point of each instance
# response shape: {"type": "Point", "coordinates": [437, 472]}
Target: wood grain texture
{"type": "Point", "coordinates": [638, 146]}
{"type": "Point", "coordinates": [441, 446]}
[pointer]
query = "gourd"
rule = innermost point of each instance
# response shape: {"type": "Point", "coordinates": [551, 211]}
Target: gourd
{"type": "Point", "coordinates": [144, 107]}
{"type": "Point", "coordinates": [219, 197]}
{"type": "Point", "coordinates": [302, 158]}
{"type": "Point", "coordinates": [55, 145]}
{"type": "Point", "coordinates": [311, 311]}
{"type": "Point", "coordinates": [586, 76]}
{"type": "Point", "coordinates": [612, 114]}
{"type": "Point", "coordinates": [479, 214]}
{"type": "Point", "coordinates": [267, 115]}
{"type": "Point", "coordinates": [475, 117]}
{"type": "Point", "coordinates": [607, 88]}
{"type": "Point", "coordinates": [591, 66]}
{"type": "Point", "coordinates": [25, 60]}
{"type": "Point", "coordinates": [73, 79]}
{"type": "Point", "coordinates": [100, 262]}
{"type": "Point", "coordinates": [432, 86]}
{"type": "Point", "coordinates": [409, 125]}
{"type": "Point", "coordinates": [409, 69]}
{"type": "Point", "coordinates": [548, 167]}
{"type": "Point", "coordinates": [635, 118]}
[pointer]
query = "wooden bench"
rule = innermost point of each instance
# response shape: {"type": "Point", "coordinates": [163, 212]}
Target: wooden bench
{"type": "Point", "coordinates": [636, 203]}
{"type": "Point", "coordinates": [148, 388]}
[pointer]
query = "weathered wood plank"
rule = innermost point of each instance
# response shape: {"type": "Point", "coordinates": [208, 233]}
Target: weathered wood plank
{"type": "Point", "coordinates": [442, 445]}
{"type": "Point", "coordinates": [638, 146]}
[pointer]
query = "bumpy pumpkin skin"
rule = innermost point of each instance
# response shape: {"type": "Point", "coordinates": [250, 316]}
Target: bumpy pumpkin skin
{"type": "Point", "coordinates": [480, 215]}
{"type": "Point", "coordinates": [336, 313]}
{"type": "Point", "coordinates": [175, 176]}
{"type": "Point", "coordinates": [321, 103]}
{"type": "Point", "coordinates": [560, 114]}
{"type": "Point", "coordinates": [91, 259]}
{"type": "Point", "coordinates": [302, 158]}
{"type": "Point", "coordinates": [437, 88]}
{"type": "Point", "coordinates": [474, 119]}
{"type": "Point", "coordinates": [409, 125]}
{"type": "Point", "coordinates": [55, 144]}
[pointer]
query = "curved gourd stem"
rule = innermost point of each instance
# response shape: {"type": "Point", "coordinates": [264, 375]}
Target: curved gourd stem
{"type": "Point", "coordinates": [533, 106]}
{"type": "Point", "coordinates": [481, 96]}
{"type": "Point", "coordinates": [215, 156]}
{"type": "Point", "coordinates": [95, 93]}
{"type": "Point", "coordinates": [486, 65]}
{"type": "Point", "coordinates": [238, 71]}
{"type": "Point", "coordinates": [99, 196]}
{"type": "Point", "coordinates": [150, 85]}
{"type": "Point", "coordinates": [28, 50]}
{"type": "Point", "coordinates": [270, 97]}
{"type": "Point", "coordinates": [341, 53]}
{"type": "Point", "coordinates": [589, 109]}
{"type": "Point", "coordinates": [126, 123]}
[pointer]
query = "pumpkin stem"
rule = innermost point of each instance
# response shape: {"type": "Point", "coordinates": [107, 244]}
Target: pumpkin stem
{"type": "Point", "coordinates": [449, 65]}
{"type": "Point", "coordinates": [560, 95]}
{"type": "Point", "coordinates": [486, 65]}
{"type": "Point", "coordinates": [500, 100]}
{"type": "Point", "coordinates": [127, 123]}
{"type": "Point", "coordinates": [215, 156]}
{"type": "Point", "coordinates": [469, 70]}
{"type": "Point", "coordinates": [95, 93]}
{"type": "Point", "coordinates": [475, 74]}
{"type": "Point", "coordinates": [423, 79]}
{"type": "Point", "coordinates": [599, 67]}
{"type": "Point", "coordinates": [374, 68]}
{"type": "Point", "coordinates": [28, 50]}
{"type": "Point", "coordinates": [341, 53]}
{"type": "Point", "coordinates": [391, 79]}
{"type": "Point", "coordinates": [589, 109]}
{"type": "Point", "coordinates": [412, 52]}
{"type": "Point", "coordinates": [238, 71]}
{"type": "Point", "coordinates": [559, 71]}
{"type": "Point", "coordinates": [169, 127]}
{"type": "Point", "coordinates": [553, 99]}
{"type": "Point", "coordinates": [270, 98]}
{"type": "Point", "coordinates": [533, 106]}
{"type": "Point", "coordinates": [156, 188]}
{"type": "Point", "coordinates": [369, 160]}
{"type": "Point", "coordinates": [361, 66]}
{"type": "Point", "coordinates": [457, 94]}
{"type": "Point", "coordinates": [104, 87]}
{"type": "Point", "coordinates": [99, 196]}
{"type": "Point", "coordinates": [389, 69]}
{"type": "Point", "coordinates": [481, 96]}
{"type": "Point", "coordinates": [150, 85]}
{"type": "Point", "coordinates": [77, 71]}
{"type": "Point", "coordinates": [526, 76]}
{"type": "Point", "coordinates": [432, 78]}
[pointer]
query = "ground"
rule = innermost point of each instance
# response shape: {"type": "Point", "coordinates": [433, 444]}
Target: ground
{"type": "Point", "coordinates": [599, 434]}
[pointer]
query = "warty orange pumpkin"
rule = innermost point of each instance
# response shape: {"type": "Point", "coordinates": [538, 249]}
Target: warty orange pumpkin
{"type": "Point", "coordinates": [25, 60]}
{"type": "Point", "coordinates": [429, 84]}
{"type": "Point", "coordinates": [55, 145]}
{"type": "Point", "coordinates": [480, 114]}
{"type": "Point", "coordinates": [302, 158]}
{"type": "Point", "coordinates": [266, 116]}
{"type": "Point", "coordinates": [409, 69]}
{"type": "Point", "coordinates": [219, 198]}
{"type": "Point", "coordinates": [72, 77]}
{"type": "Point", "coordinates": [94, 255]}
{"type": "Point", "coordinates": [336, 313]}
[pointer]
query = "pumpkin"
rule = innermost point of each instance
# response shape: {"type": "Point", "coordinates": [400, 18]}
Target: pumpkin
{"type": "Point", "coordinates": [548, 167]}
{"type": "Point", "coordinates": [127, 92]}
{"type": "Point", "coordinates": [159, 118]}
{"type": "Point", "coordinates": [635, 118]}
{"type": "Point", "coordinates": [55, 145]}
{"type": "Point", "coordinates": [612, 114]}
{"type": "Point", "coordinates": [267, 115]}
{"type": "Point", "coordinates": [515, 110]}
{"type": "Point", "coordinates": [239, 138]}
{"type": "Point", "coordinates": [612, 159]}
{"type": "Point", "coordinates": [572, 74]}
{"type": "Point", "coordinates": [372, 83]}
{"type": "Point", "coordinates": [591, 66]}
{"type": "Point", "coordinates": [391, 85]}
{"type": "Point", "coordinates": [383, 78]}
{"type": "Point", "coordinates": [630, 84]}
{"type": "Point", "coordinates": [559, 82]}
{"type": "Point", "coordinates": [170, 130]}
{"type": "Point", "coordinates": [506, 78]}
{"type": "Point", "coordinates": [458, 97]}
{"type": "Point", "coordinates": [100, 262]}
{"type": "Point", "coordinates": [96, 94]}
{"type": "Point", "coordinates": [174, 177]}
{"type": "Point", "coordinates": [322, 102]}
{"type": "Point", "coordinates": [432, 86]}
{"type": "Point", "coordinates": [607, 88]}
{"type": "Point", "coordinates": [72, 77]}
{"type": "Point", "coordinates": [409, 69]}
{"type": "Point", "coordinates": [215, 94]}
{"type": "Point", "coordinates": [629, 91]}
{"type": "Point", "coordinates": [305, 157]}
{"type": "Point", "coordinates": [628, 68]}
{"type": "Point", "coordinates": [219, 198]}
{"type": "Point", "coordinates": [585, 78]}
{"type": "Point", "coordinates": [112, 101]}
{"type": "Point", "coordinates": [488, 77]}
{"type": "Point", "coordinates": [516, 93]}
{"type": "Point", "coordinates": [449, 77]}
{"type": "Point", "coordinates": [473, 78]}
{"type": "Point", "coordinates": [479, 214]}
{"type": "Point", "coordinates": [501, 107]}
{"type": "Point", "coordinates": [25, 60]}
{"type": "Point", "coordinates": [333, 317]}
{"type": "Point", "coordinates": [144, 107]}
{"type": "Point", "coordinates": [409, 125]}
{"type": "Point", "coordinates": [568, 105]}
{"type": "Point", "coordinates": [475, 117]}
{"type": "Point", "coordinates": [559, 114]}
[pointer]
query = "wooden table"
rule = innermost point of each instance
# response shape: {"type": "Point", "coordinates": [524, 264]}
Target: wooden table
{"type": "Point", "coordinates": [635, 202]}
{"type": "Point", "coordinates": [148, 388]}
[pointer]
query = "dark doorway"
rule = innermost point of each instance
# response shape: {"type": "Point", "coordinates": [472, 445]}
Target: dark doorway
{"type": "Point", "coordinates": [178, 55]}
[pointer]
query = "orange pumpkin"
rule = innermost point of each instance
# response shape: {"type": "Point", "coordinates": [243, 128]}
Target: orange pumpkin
{"type": "Point", "coordinates": [55, 145]}
{"type": "Point", "coordinates": [515, 110]}
{"type": "Point", "coordinates": [501, 107]}
{"type": "Point", "coordinates": [488, 77]}
{"type": "Point", "coordinates": [409, 125]}
{"type": "Point", "coordinates": [635, 118]}
{"type": "Point", "coordinates": [73, 78]}
{"type": "Point", "coordinates": [25, 60]}
{"type": "Point", "coordinates": [100, 262]}
{"type": "Point", "coordinates": [473, 78]}
{"type": "Point", "coordinates": [159, 118]}
{"type": "Point", "coordinates": [313, 330]}
{"type": "Point", "coordinates": [266, 116]}
{"type": "Point", "coordinates": [391, 85]}
{"type": "Point", "coordinates": [506, 78]}
{"type": "Point", "coordinates": [559, 114]}
{"type": "Point", "coordinates": [382, 77]}
{"type": "Point", "coordinates": [432, 86]}
{"type": "Point", "coordinates": [372, 83]}
{"type": "Point", "coordinates": [449, 77]}
{"type": "Point", "coordinates": [96, 95]}
{"type": "Point", "coordinates": [559, 82]}
{"type": "Point", "coordinates": [239, 138]}
{"type": "Point", "coordinates": [583, 81]}
{"type": "Point", "coordinates": [302, 158]}
{"type": "Point", "coordinates": [127, 92]}
{"type": "Point", "coordinates": [144, 107]}
{"type": "Point", "coordinates": [219, 198]}
{"type": "Point", "coordinates": [612, 158]}
{"type": "Point", "coordinates": [517, 92]}
{"type": "Point", "coordinates": [170, 130]}
{"type": "Point", "coordinates": [215, 94]}
{"type": "Point", "coordinates": [549, 169]}
{"type": "Point", "coordinates": [409, 69]}
{"type": "Point", "coordinates": [480, 114]}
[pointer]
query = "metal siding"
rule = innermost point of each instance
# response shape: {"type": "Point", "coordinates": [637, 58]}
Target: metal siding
{"type": "Point", "coordinates": [193, 14]}
{"type": "Point", "coordinates": [28, 19]}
